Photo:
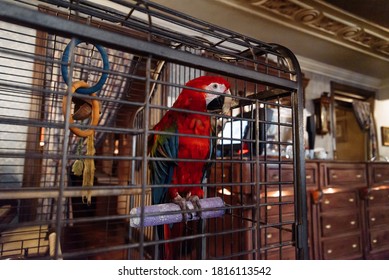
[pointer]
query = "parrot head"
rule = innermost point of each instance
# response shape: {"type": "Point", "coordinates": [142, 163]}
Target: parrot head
{"type": "Point", "coordinates": [211, 87]}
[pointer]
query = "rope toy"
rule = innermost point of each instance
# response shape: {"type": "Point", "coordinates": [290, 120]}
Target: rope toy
{"type": "Point", "coordinates": [65, 63]}
{"type": "Point", "coordinates": [85, 167]}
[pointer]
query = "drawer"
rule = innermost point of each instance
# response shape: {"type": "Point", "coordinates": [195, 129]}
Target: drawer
{"type": "Point", "coordinates": [378, 217]}
{"type": "Point", "coordinates": [333, 225]}
{"type": "Point", "coordinates": [274, 208]}
{"type": "Point", "coordinates": [311, 177]}
{"type": "Point", "coordinates": [240, 175]}
{"type": "Point", "coordinates": [287, 174]}
{"type": "Point", "coordinates": [272, 218]}
{"type": "Point", "coordinates": [351, 175]}
{"type": "Point", "coordinates": [285, 253]}
{"type": "Point", "coordinates": [379, 239]}
{"type": "Point", "coordinates": [379, 173]}
{"type": "Point", "coordinates": [342, 248]}
{"type": "Point", "coordinates": [377, 197]}
{"type": "Point", "coordinates": [274, 175]}
{"type": "Point", "coordinates": [346, 176]}
{"type": "Point", "coordinates": [273, 235]}
{"type": "Point", "coordinates": [339, 200]}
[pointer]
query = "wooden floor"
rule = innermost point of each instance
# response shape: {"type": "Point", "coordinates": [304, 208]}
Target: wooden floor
{"type": "Point", "coordinates": [83, 239]}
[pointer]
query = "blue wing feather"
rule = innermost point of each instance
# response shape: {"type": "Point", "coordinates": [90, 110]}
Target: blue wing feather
{"type": "Point", "coordinates": [164, 146]}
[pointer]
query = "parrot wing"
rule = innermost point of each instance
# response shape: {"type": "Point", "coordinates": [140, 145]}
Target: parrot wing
{"type": "Point", "coordinates": [163, 146]}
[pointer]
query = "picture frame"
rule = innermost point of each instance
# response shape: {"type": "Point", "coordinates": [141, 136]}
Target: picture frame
{"type": "Point", "coordinates": [385, 135]}
{"type": "Point", "coordinates": [341, 131]}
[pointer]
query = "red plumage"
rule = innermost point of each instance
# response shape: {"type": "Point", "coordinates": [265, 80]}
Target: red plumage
{"type": "Point", "coordinates": [192, 150]}
{"type": "Point", "coordinates": [190, 147]}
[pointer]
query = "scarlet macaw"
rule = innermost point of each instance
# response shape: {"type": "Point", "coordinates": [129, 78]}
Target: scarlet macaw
{"type": "Point", "coordinates": [178, 174]}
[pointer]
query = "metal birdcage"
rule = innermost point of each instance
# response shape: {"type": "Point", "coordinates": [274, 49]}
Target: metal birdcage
{"type": "Point", "coordinates": [135, 57]}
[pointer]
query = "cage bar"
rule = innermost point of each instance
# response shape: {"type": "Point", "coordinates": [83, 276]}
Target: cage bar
{"type": "Point", "coordinates": [50, 209]}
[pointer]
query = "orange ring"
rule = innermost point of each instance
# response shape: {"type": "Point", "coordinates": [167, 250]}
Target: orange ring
{"type": "Point", "coordinates": [95, 111]}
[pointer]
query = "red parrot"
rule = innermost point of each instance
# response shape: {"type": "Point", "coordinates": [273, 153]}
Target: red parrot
{"type": "Point", "coordinates": [177, 174]}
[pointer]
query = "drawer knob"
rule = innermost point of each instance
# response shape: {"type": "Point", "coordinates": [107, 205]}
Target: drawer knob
{"type": "Point", "coordinates": [379, 175]}
{"type": "Point", "coordinates": [328, 226]}
{"type": "Point", "coordinates": [275, 177]}
{"type": "Point", "coordinates": [359, 176]}
{"type": "Point", "coordinates": [375, 241]}
{"type": "Point", "coordinates": [334, 176]}
{"type": "Point", "coordinates": [352, 223]}
{"type": "Point", "coordinates": [268, 207]}
{"type": "Point", "coordinates": [351, 199]}
{"type": "Point", "coordinates": [355, 245]}
{"type": "Point", "coordinates": [326, 201]}
{"type": "Point", "coordinates": [308, 177]}
{"type": "Point", "coordinates": [329, 251]}
{"type": "Point", "coordinates": [371, 197]}
{"type": "Point", "coordinates": [372, 219]}
{"type": "Point", "coordinates": [224, 175]}
{"type": "Point", "coordinates": [269, 235]}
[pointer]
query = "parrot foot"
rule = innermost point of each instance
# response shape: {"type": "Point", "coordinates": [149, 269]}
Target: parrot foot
{"type": "Point", "coordinates": [196, 204]}
{"type": "Point", "coordinates": [180, 201]}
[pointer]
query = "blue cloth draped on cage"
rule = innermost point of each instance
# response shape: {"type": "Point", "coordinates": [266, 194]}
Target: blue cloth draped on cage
{"type": "Point", "coordinates": [180, 162]}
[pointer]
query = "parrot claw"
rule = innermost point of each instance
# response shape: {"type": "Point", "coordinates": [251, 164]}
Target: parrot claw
{"type": "Point", "coordinates": [180, 201]}
{"type": "Point", "coordinates": [196, 204]}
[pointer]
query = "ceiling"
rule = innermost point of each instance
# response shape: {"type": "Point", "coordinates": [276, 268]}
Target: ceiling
{"type": "Point", "coordinates": [375, 11]}
{"type": "Point", "coordinates": [353, 37]}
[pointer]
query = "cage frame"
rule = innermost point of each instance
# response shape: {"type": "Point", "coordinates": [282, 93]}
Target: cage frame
{"type": "Point", "coordinates": [23, 16]}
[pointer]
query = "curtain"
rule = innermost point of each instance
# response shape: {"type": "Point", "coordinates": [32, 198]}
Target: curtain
{"type": "Point", "coordinates": [365, 120]}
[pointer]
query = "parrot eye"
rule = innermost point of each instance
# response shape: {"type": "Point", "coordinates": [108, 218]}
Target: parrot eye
{"type": "Point", "coordinates": [214, 86]}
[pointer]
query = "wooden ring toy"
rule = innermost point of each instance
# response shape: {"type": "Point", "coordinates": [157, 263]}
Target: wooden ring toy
{"type": "Point", "coordinates": [94, 115]}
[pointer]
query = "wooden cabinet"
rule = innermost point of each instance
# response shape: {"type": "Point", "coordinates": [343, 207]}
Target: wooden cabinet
{"type": "Point", "coordinates": [348, 206]}
{"type": "Point", "coordinates": [350, 211]}
{"type": "Point", "coordinates": [376, 211]}
{"type": "Point", "coordinates": [339, 225]}
{"type": "Point", "coordinates": [271, 187]}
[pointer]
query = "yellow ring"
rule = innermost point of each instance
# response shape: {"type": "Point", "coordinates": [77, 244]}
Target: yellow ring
{"type": "Point", "coordinates": [95, 111]}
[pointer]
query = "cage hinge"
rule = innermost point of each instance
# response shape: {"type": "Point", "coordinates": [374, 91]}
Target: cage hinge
{"type": "Point", "coordinates": [299, 231]}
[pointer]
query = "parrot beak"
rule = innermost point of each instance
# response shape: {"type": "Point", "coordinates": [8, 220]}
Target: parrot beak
{"type": "Point", "coordinates": [221, 103]}
{"type": "Point", "coordinates": [216, 104]}
{"type": "Point", "coordinates": [227, 103]}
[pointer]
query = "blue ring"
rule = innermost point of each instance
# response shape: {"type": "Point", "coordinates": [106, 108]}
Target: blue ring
{"type": "Point", "coordinates": [65, 72]}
